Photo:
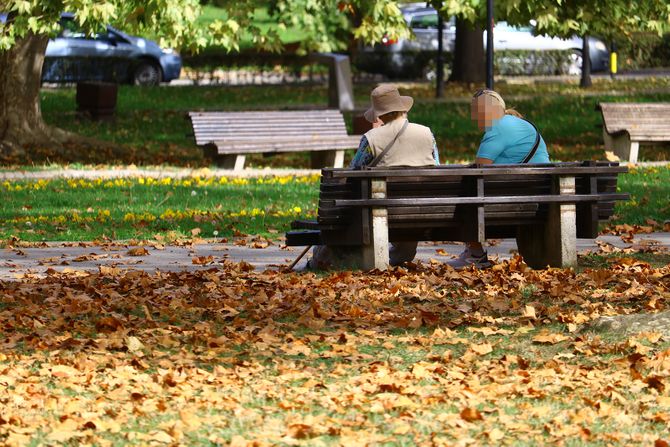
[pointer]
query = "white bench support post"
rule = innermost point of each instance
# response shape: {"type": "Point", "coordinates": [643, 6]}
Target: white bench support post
{"type": "Point", "coordinates": [327, 159]}
{"type": "Point", "coordinates": [555, 243]}
{"type": "Point", "coordinates": [376, 253]}
{"type": "Point", "coordinates": [234, 162]}
{"type": "Point", "coordinates": [622, 146]}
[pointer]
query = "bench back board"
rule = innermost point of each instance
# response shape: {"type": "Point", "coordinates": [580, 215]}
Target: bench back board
{"type": "Point", "coordinates": [344, 225]}
{"type": "Point", "coordinates": [210, 127]}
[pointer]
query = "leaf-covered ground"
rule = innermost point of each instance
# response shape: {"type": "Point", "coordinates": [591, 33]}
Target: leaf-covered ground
{"type": "Point", "coordinates": [418, 356]}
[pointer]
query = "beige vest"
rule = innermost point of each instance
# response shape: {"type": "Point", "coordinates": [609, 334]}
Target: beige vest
{"type": "Point", "coordinates": [413, 148]}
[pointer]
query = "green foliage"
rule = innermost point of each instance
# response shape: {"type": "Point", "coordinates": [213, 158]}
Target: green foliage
{"type": "Point", "coordinates": [607, 19]}
{"type": "Point", "coordinates": [174, 23]}
{"type": "Point", "coordinates": [643, 50]}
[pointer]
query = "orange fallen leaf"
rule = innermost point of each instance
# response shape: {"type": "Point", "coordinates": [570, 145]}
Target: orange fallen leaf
{"type": "Point", "coordinates": [137, 251]}
{"type": "Point", "coordinates": [471, 414]}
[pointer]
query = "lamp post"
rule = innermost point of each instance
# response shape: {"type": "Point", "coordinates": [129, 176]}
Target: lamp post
{"type": "Point", "coordinates": [439, 63]}
{"type": "Point", "coordinates": [489, 44]}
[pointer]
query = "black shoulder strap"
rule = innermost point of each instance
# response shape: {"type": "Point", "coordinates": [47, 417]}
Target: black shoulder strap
{"type": "Point", "coordinates": [388, 147]}
{"type": "Point", "coordinates": [530, 155]}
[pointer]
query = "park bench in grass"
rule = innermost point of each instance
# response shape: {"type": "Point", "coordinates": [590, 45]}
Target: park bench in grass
{"type": "Point", "coordinates": [626, 125]}
{"type": "Point", "coordinates": [545, 207]}
{"type": "Point", "coordinates": [230, 136]}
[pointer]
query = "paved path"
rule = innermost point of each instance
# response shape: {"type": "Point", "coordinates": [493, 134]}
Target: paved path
{"type": "Point", "coordinates": [14, 263]}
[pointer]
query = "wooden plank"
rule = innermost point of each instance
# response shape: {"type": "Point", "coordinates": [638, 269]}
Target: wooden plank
{"type": "Point", "coordinates": [510, 170]}
{"type": "Point", "coordinates": [567, 198]}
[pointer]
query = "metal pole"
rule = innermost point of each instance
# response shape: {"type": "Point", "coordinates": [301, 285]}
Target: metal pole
{"type": "Point", "coordinates": [489, 44]}
{"type": "Point", "coordinates": [439, 63]}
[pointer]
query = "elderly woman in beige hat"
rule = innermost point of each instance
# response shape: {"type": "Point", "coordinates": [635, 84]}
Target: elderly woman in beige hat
{"type": "Point", "coordinates": [409, 144]}
{"type": "Point", "coordinates": [393, 141]}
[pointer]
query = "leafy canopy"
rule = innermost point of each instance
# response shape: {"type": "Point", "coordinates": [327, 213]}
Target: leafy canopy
{"type": "Point", "coordinates": [173, 22]}
{"type": "Point", "coordinates": [328, 24]}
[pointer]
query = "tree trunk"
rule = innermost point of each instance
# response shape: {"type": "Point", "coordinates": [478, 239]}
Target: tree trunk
{"type": "Point", "coordinates": [586, 63]}
{"type": "Point", "coordinates": [469, 62]}
{"type": "Point", "coordinates": [21, 123]}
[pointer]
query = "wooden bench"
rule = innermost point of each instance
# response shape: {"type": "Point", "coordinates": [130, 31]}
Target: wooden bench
{"type": "Point", "coordinates": [545, 207]}
{"type": "Point", "coordinates": [626, 125]}
{"type": "Point", "coordinates": [229, 136]}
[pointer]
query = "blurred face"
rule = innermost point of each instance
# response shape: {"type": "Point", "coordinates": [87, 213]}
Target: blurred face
{"type": "Point", "coordinates": [484, 110]}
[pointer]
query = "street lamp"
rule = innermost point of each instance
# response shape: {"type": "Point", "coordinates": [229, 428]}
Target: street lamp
{"type": "Point", "coordinates": [489, 44]}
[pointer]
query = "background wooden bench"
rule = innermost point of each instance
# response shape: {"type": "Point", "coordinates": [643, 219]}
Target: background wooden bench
{"type": "Point", "coordinates": [626, 125]}
{"type": "Point", "coordinates": [229, 136]}
{"type": "Point", "coordinates": [545, 207]}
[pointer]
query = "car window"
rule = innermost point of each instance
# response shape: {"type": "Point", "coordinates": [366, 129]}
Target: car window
{"type": "Point", "coordinates": [426, 21]}
{"type": "Point", "coordinates": [504, 26]}
{"type": "Point", "coordinates": [70, 29]}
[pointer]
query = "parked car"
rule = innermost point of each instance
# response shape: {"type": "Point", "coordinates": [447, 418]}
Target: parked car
{"type": "Point", "coordinates": [410, 57]}
{"type": "Point", "coordinates": [109, 55]}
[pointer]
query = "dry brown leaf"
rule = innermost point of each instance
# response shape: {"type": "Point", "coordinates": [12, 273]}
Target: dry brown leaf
{"type": "Point", "coordinates": [138, 251]}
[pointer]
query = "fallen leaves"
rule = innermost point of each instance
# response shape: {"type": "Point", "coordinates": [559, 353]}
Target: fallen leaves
{"type": "Point", "coordinates": [166, 358]}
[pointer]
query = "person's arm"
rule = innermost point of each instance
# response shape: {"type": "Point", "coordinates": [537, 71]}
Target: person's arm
{"type": "Point", "coordinates": [490, 148]}
{"type": "Point", "coordinates": [436, 153]}
{"type": "Point", "coordinates": [363, 155]}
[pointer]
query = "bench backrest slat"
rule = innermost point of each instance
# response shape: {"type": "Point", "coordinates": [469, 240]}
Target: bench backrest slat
{"type": "Point", "coordinates": [211, 127]}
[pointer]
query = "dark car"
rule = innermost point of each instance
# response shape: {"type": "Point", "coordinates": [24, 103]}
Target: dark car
{"type": "Point", "coordinates": [109, 55]}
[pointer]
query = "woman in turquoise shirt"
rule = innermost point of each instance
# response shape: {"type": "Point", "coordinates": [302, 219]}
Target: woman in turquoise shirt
{"type": "Point", "coordinates": [508, 139]}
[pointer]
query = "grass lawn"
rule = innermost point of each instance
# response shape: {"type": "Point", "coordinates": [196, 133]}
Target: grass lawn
{"type": "Point", "coordinates": [426, 357]}
{"type": "Point", "coordinates": [151, 125]}
{"type": "Point", "coordinates": [70, 210]}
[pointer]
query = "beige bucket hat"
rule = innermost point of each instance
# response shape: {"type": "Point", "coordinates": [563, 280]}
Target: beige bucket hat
{"type": "Point", "coordinates": [386, 99]}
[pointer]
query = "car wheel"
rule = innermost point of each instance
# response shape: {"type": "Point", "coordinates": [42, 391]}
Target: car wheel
{"type": "Point", "coordinates": [575, 63]}
{"type": "Point", "coordinates": [147, 73]}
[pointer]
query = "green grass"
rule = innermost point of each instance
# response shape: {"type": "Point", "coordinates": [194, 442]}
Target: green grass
{"type": "Point", "coordinates": [74, 210]}
{"type": "Point", "coordinates": [77, 210]}
{"type": "Point", "coordinates": [151, 125]}
{"type": "Point", "coordinates": [650, 196]}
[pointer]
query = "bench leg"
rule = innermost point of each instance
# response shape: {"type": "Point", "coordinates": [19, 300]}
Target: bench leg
{"type": "Point", "coordinates": [327, 159]}
{"type": "Point", "coordinates": [234, 162]}
{"type": "Point", "coordinates": [622, 146]}
{"type": "Point", "coordinates": [553, 244]}
{"type": "Point", "coordinates": [376, 254]}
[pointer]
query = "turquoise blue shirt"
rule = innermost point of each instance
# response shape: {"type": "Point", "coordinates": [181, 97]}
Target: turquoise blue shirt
{"type": "Point", "coordinates": [509, 141]}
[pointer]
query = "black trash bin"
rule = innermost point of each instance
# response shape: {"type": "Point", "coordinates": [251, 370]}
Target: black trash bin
{"type": "Point", "coordinates": [97, 99]}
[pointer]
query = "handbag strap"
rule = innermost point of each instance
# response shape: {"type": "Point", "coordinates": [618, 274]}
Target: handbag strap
{"type": "Point", "coordinates": [531, 154]}
{"type": "Point", "coordinates": [388, 147]}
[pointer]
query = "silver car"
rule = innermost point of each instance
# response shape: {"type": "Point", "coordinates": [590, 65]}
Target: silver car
{"type": "Point", "coordinates": [110, 55]}
{"type": "Point", "coordinates": [411, 57]}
